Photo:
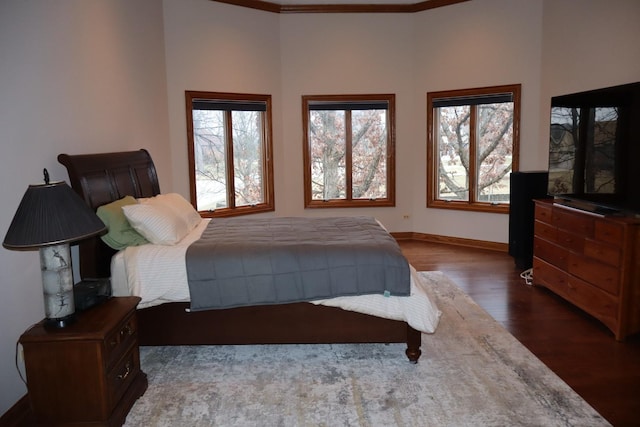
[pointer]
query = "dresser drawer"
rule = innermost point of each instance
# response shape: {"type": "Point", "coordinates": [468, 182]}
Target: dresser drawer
{"type": "Point", "coordinates": [603, 252]}
{"type": "Point", "coordinates": [543, 213]}
{"type": "Point", "coordinates": [120, 339]}
{"type": "Point", "coordinates": [544, 230]}
{"type": "Point", "coordinates": [601, 305]}
{"type": "Point", "coordinates": [551, 253]}
{"type": "Point", "coordinates": [571, 241]}
{"type": "Point", "coordinates": [550, 277]}
{"type": "Point", "coordinates": [595, 301]}
{"type": "Point", "coordinates": [575, 223]}
{"type": "Point", "coordinates": [609, 232]}
{"type": "Point", "coordinates": [596, 273]}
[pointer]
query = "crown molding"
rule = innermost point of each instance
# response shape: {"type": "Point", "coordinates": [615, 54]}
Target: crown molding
{"type": "Point", "coordinates": [341, 8]}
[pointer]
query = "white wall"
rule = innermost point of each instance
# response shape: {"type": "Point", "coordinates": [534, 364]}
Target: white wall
{"type": "Point", "coordinates": [476, 44]}
{"type": "Point", "coordinates": [76, 76]}
{"type": "Point", "coordinates": [328, 54]}
{"type": "Point", "coordinates": [106, 75]}
{"type": "Point", "coordinates": [404, 54]}
{"type": "Point", "coordinates": [588, 47]}
{"type": "Point", "coordinates": [219, 48]}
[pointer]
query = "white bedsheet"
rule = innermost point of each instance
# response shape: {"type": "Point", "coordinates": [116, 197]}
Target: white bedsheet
{"type": "Point", "coordinates": [158, 274]}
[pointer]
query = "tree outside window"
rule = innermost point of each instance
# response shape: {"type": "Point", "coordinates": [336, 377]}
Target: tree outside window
{"type": "Point", "coordinates": [349, 150]}
{"type": "Point", "coordinates": [229, 141]}
{"type": "Point", "coordinates": [472, 146]}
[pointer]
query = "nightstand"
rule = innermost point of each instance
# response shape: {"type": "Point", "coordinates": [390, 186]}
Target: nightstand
{"type": "Point", "coordinates": [89, 372]}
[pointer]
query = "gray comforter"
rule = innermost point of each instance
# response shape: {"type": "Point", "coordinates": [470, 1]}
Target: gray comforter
{"type": "Point", "coordinates": [240, 261]}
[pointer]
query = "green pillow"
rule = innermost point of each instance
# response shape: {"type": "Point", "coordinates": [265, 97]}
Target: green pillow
{"type": "Point", "coordinates": [120, 234]}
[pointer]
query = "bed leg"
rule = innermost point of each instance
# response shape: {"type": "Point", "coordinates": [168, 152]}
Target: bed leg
{"type": "Point", "coordinates": [414, 340]}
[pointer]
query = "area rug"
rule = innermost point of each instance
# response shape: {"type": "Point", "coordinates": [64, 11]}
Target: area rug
{"type": "Point", "coordinates": [472, 373]}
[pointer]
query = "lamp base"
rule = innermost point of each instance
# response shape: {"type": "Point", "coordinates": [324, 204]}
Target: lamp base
{"type": "Point", "coordinates": [60, 322]}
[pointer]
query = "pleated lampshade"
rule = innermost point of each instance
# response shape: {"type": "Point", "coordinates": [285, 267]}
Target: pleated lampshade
{"type": "Point", "coordinates": [51, 214]}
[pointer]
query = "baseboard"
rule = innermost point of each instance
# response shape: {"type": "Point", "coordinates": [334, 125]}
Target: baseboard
{"type": "Point", "coordinates": [423, 237]}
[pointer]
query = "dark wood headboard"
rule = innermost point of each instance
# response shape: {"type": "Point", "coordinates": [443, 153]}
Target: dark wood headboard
{"type": "Point", "coordinates": [103, 178]}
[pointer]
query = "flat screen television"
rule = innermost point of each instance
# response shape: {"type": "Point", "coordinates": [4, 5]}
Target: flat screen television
{"type": "Point", "coordinates": [594, 150]}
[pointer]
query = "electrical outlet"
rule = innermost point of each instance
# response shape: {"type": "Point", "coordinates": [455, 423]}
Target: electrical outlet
{"type": "Point", "coordinates": [405, 216]}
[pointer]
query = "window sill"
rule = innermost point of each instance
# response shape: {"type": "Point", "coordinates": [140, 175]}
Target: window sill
{"type": "Point", "coordinates": [501, 208]}
{"type": "Point", "coordinates": [242, 210]}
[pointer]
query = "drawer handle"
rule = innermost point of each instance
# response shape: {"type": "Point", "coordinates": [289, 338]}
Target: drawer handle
{"type": "Point", "coordinates": [127, 371]}
{"type": "Point", "coordinates": [127, 330]}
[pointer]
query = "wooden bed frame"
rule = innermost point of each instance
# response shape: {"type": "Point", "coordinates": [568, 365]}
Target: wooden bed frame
{"type": "Point", "coordinates": [106, 177]}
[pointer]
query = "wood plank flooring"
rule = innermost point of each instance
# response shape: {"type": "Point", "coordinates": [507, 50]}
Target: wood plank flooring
{"type": "Point", "coordinates": [577, 347]}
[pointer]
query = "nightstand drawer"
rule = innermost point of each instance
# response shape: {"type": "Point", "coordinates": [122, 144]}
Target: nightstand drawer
{"type": "Point", "coordinates": [119, 378]}
{"type": "Point", "coordinates": [120, 339]}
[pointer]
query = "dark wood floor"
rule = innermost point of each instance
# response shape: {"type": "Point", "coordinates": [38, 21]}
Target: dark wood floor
{"type": "Point", "coordinates": [578, 348]}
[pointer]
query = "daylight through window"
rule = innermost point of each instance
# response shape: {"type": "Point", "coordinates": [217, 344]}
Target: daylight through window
{"type": "Point", "coordinates": [473, 140]}
{"type": "Point", "coordinates": [229, 138]}
{"type": "Point", "coordinates": [349, 150]}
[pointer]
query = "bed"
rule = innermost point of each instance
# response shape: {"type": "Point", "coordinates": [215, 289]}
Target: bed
{"type": "Point", "coordinates": [106, 177]}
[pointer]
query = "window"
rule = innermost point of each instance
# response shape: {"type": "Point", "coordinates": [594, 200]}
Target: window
{"type": "Point", "coordinates": [472, 147]}
{"type": "Point", "coordinates": [349, 150]}
{"type": "Point", "coordinates": [229, 141]}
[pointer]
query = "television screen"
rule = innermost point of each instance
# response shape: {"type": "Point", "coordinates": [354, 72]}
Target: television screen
{"type": "Point", "coordinates": [583, 163]}
{"type": "Point", "coordinates": [593, 148]}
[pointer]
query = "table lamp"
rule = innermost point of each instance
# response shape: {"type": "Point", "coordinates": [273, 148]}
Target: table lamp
{"type": "Point", "coordinates": [49, 217]}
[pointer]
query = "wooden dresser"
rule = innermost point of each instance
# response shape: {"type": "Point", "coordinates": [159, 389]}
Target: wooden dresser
{"type": "Point", "coordinates": [88, 373]}
{"type": "Point", "coordinates": [591, 261]}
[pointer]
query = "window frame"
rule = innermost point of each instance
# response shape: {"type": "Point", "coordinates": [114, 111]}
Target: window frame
{"type": "Point", "coordinates": [268, 204]}
{"type": "Point", "coordinates": [433, 178]}
{"type": "Point", "coordinates": [348, 201]}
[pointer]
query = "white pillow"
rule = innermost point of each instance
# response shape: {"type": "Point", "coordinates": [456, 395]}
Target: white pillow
{"type": "Point", "coordinates": [158, 224]}
{"type": "Point", "coordinates": [179, 206]}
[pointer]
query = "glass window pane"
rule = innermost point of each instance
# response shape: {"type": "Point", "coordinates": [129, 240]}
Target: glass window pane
{"type": "Point", "coordinates": [369, 154]}
{"type": "Point", "coordinates": [247, 157]}
{"type": "Point", "coordinates": [209, 158]}
{"type": "Point", "coordinates": [452, 138]}
{"type": "Point", "coordinates": [327, 143]}
{"type": "Point", "coordinates": [494, 151]}
{"type": "Point", "coordinates": [230, 141]}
